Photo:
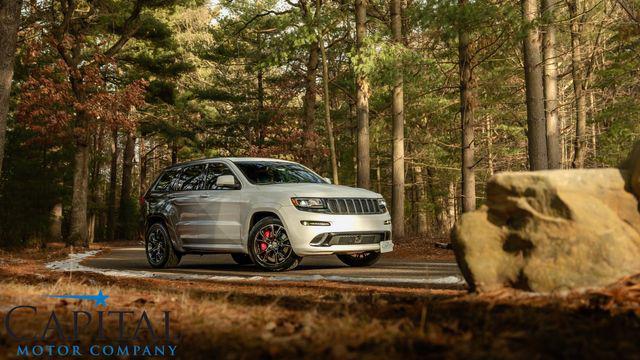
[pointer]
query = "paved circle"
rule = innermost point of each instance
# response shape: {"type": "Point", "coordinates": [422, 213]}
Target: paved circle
{"type": "Point", "coordinates": [391, 272]}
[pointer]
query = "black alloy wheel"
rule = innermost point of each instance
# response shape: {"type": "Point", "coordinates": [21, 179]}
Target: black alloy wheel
{"type": "Point", "coordinates": [270, 247]}
{"type": "Point", "coordinates": [160, 251]}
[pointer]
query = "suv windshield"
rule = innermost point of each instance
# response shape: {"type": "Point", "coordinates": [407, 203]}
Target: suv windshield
{"type": "Point", "coordinates": [266, 172]}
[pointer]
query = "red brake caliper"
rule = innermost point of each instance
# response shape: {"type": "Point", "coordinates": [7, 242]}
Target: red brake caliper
{"type": "Point", "coordinates": [263, 245]}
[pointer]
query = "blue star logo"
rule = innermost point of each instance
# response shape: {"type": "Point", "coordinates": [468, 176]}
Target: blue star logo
{"type": "Point", "coordinates": [98, 300]}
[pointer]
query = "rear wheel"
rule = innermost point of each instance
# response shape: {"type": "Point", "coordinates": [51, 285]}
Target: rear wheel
{"type": "Point", "coordinates": [242, 259]}
{"type": "Point", "coordinates": [269, 246]}
{"type": "Point", "coordinates": [360, 259]}
{"type": "Point", "coordinates": [160, 252]}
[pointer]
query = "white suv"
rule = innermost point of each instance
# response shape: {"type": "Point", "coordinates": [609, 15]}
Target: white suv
{"type": "Point", "coordinates": [263, 211]}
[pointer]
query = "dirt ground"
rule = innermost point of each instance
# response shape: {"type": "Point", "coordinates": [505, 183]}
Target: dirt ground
{"type": "Point", "coordinates": [330, 320]}
{"type": "Point", "coordinates": [422, 248]}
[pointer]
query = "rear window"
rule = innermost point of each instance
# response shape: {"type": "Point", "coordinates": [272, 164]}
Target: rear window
{"type": "Point", "coordinates": [164, 183]}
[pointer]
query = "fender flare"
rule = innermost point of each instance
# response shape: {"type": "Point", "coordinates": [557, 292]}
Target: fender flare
{"type": "Point", "coordinates": [151, 219]}
{"type": "Point", "coordinates": [265, 207]}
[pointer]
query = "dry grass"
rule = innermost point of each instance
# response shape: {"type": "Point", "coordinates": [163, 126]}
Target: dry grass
{"type": "Point", "coordinates": [277, 323]}
{"type": "Point", "coordinates": [341, 321]}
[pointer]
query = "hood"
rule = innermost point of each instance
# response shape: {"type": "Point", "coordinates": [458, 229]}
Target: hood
{"type": "Point", "coordinates": [320, 190]}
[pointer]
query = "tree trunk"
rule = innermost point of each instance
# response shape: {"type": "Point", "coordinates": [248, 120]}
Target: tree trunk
{"type": "Point", "coordinates": [580, 145]}
{"type": "Point", "coordinates": [126, 187]}
{"type": "Point", "coordinates": [327, 114]}
{"type": "Point", "coordinates": [260, 118]}
{"type": "Point", "coordinates": [490, 146]}
{"type": "Point", "coordinates": [563, 134]}
{"type": "Point", "coordinates": [451, 207]}
{"type": "Point", "coordinates": [261, 113]}
{"type": "Point", "coordinates": [174, 152]}
{"type": "Point", "coordinates": [536, 132]}
{"type": "Point", "coordinates": [362, 102]}
{"type": "Point", "coordinates": [9, 20]}
{"type": "Point", "coordinates": [91, 228]}
{"type": "Point", "coordinates": [554, 156]}
{"type": "Point", "coordinates": [594, 140]}
{"type": "Point", "coordinates": [594, 125]}
{"type": "Point", "coordinates": [79, 232]}
{"type": "Point", "coordinates": [421, 213]}
{"type": "Point", "coordinates": [309, 120]}
{"type": "Point", "coordinates": [397, 195]}
{"type": "Point", "coordinates": [113, 186]}
{"type": "Point", "coordinates": [467, 109]}
{"type": "Point", "coordinates": [353, 136]}
{"type": "Point", "coordinates": [378, 174]}
{"type": "Point", "coordinates": [55, 229]}
{"type": "Point", "coordinates": [142, 149]}
{"type": "Point", "coordinates": [95, 188]}
{"type": "Point", "coordinates": [435, 199]}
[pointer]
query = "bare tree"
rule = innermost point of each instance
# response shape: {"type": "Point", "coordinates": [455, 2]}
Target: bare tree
{"type": "Point", "coordinates": [467, 109]}
{"type": "Point", "coordinates": [551, 85]}
{"type": "Point", "coordinates": [113, 184]}
{"type": "Point", "coordinates": [327, 115]}
{"type": "Point", "coordinates": [536, 132]}
{"type": "Point", "coordinates": [309, 118]}
{"type": "Point", "coordinates": [397, 196]}
{"type": "Point", "coordinates": [127, 184]}
{"type": "Point", "coordinates": [9, 20]}
{"type": "Point", "coordinates": [362, 102]}
{"type": "Point", "coordinates": [576, 12]}
{"type": "Point", "coordinates": [420, 209]}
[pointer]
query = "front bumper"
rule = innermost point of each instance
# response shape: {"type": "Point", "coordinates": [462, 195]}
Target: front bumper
{"type": "Point", "coordinates": [316, 240]}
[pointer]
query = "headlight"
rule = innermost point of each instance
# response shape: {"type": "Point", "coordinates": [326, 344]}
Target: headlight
{"type": "Point", "coordinates": [308, 203]}
{"type": "Point", "coordinates": [382, 204]}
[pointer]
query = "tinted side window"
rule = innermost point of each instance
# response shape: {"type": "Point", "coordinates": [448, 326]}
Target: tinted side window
{"type": "Point", "coordinates": [213, 171]}
{"type": "Point", "coordinates": [270, 172]}
{"type": "Point", "coordinates": [164, 183]}
{"type": "Point", "coordinates": [190, 178]}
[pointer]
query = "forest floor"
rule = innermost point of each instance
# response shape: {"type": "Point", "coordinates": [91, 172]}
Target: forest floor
{"type": "Point", "coordinates": [331, 320]}
{"type": "Point", "coordinates": [422, 248]}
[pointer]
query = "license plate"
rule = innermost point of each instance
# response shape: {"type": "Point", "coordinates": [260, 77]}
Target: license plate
{"type": "Point", "coordinates": [386, 246]}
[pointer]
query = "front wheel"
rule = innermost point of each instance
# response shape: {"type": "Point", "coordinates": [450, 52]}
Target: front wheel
{"type": "Point", "coordinates": [160, 252]}
{"type": "Point", "coordinates": [360, 259]}
{"type": "Point", "coordinates": [269, 246]}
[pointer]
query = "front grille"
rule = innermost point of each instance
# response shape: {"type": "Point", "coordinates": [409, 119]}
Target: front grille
{"type": "Point", "coordinates": [355, 206]}
{"type": "Point", "coordinates": [355, 239]}
{"type": "Point", "coordinates": [350, 238]}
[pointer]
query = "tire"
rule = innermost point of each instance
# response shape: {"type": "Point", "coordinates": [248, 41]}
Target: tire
{"type": "Point", "coordinates": [269, 246]}
{"type": "Point", "coordinates": [242, 259]}
{"type": "Point", "coordinates": [360, 259]}
{"type": "Point", "coordinates": [158, 247]}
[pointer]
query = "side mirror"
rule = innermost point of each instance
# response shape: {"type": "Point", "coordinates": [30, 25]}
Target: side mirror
{"type": "Point", "coordinates": [227, 182]}
{"type": "Point", "coordinates": [327, 180]}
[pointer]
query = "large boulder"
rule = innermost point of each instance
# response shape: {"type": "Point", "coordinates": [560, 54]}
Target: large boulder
{"type": "Point", "coordinates": [551, 230]}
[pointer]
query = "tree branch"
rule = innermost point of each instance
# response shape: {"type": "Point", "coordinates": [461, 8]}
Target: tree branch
{"type": "Point", "coordinates": [260, 15]}
{"type": "Point", "coordinates": [129, 28]}
{"type": "Point", "coordinates": [630, 10]}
